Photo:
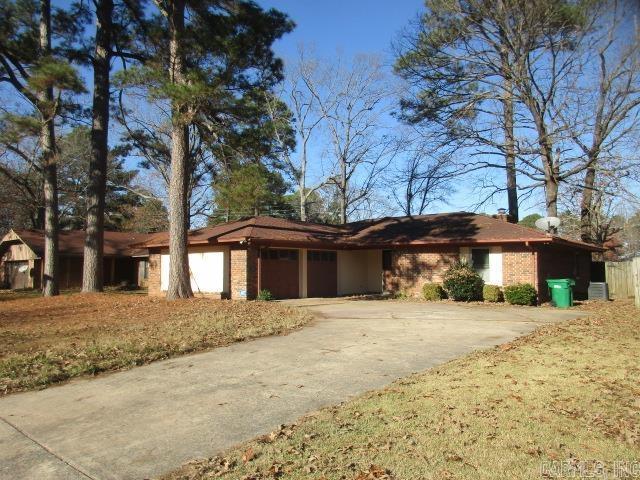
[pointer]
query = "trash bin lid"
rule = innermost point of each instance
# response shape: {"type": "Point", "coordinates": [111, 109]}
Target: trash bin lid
{"type": "Point", "coordinates": [561, 282]}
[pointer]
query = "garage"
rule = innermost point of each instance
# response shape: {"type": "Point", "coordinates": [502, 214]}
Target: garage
{"type": "Point", "coordinates": [279, 272]}
{"type": "Point", "coordinates": [322, 273]}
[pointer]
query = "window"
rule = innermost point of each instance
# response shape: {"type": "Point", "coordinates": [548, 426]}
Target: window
{"type": "Point", "coordinates": [386, 260]}
{"type": "Point", "coordinates": [278, 254]}
{"type": "Point", "coordinates": [321, 256]}
{"type": "Point", "coordinates": [480, 262]}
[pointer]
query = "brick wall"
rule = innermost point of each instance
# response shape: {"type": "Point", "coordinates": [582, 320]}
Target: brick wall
{"type": "Point", "coordinates": [519, 265]}
{"type": "Point", "coordinates": [244, 273]}
{"type": "Point", "coordinates": [153, 282]}
{"type": "Point", "coordinates": [411, 268]}
{"type": "Point", "coordinates": [238, 273]}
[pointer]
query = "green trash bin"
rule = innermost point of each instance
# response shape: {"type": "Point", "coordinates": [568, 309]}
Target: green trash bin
{"type": "Point", "coordinates": [561, 291]}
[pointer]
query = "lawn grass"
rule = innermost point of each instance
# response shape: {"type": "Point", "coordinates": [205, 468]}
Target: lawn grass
{"type": "Point", "coordinates": [565, 393]}
{"type": "Point", "coordinates": [49, 340]}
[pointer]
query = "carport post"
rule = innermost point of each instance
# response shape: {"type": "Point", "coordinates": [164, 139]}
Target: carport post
{"type": "Point", "coordinates": [259, 282]}
{"type": "Point", "coordinates": [302, 273]}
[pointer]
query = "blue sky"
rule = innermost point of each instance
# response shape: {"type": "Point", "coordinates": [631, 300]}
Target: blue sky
{"type": "Point", "coordinates": [349, 27]}
{"type": "Point", "coordinates": [353, 26]}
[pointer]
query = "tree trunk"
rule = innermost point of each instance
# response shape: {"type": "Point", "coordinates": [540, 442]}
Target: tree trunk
{"type": "Point", "coordinates": [550, 165]}
{"type": "Point", "coordinates": [551, 197]}
{"type": "Point", "coordinates": [179, 281]}
{"type": "Point", "coordinates": [92, 274]}
{"type": "Point", "coordinates": [509, 146]}
{"type": "Point", "coordinates": [38, 222]}
{"type": "Point", "coordinates": [343, 192]}
{"type": "Point", "coordinates": [586, 220]}
{"type": "Point", "coordinates": [46, 105]}
{"type": "Point", "coordinates": [303, 196]}
{"type": "Point", "coordinates": [550, 180]}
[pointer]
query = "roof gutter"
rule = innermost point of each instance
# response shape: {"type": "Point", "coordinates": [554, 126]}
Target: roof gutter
{"type": "Point", "coordinates": [347, 244]}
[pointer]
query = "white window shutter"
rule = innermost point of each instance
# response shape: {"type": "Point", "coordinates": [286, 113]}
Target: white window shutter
{"type": "Point", "coordinates": [495, 266]}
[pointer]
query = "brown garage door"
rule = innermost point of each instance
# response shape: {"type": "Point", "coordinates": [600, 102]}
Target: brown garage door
{"type": "Point", "coordinates": [322, 273]}
{"type": "Point", "coordinates": [279, 272]}
{"type": "Point", "coordinates": [17, 274]}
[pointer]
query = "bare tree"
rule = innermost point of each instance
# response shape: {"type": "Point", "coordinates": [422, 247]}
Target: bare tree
{"type": "Point", "coordinates": [602, 115]}
{"type": "Point", "coordinates": [306, 123]}
{"type": "Point", "coordinates": [488, 75]}
{"type": "Point", "coordinates": [353, 101]}
{"type": "Point", "coordinates": [424, 179]}
{"type": "Point", "coordinates": [148, 134]}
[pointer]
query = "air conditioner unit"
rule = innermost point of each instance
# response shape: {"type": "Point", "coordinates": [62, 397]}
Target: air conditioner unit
{"type": "Point", "coordinates": [598, 291]}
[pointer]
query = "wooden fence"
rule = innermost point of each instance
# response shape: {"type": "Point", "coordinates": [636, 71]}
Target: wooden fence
{"type": "Point", "coordinates": [624, 279]}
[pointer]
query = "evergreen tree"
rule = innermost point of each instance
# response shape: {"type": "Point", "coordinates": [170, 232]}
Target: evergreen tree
{"type": "Point", "coordinates": [117, 25]}
{"type": "Point", "coordinates": [207, 58]}
{"type": "Point", "coordinates": [248, 190]}
{"type": "Point", "coordinates": [121, 197]}
{"type": "Point", "coordinates": [473, 63]}
{"type": "Point", "coordinates": [30, 66]}
{"type": "Point", "coordinates": [530, 220]}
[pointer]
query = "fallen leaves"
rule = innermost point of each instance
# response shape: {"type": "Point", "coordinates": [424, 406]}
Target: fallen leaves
{"type": "Point", "coordinates": [559, 396]}
{"type": "Point", "coordinates": [56, 338]}
{"type": "Point", "coordinates": [374, 472]}
{"type": "Point", "coordinates": [248, 455]}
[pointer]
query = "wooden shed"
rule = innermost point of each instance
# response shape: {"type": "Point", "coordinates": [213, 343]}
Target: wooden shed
{"type": "Point", "coordinates": [21, 253]}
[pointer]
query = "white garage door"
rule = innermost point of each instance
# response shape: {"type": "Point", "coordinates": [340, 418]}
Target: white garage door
{"type": "Point", "coordinates": [207, 272]}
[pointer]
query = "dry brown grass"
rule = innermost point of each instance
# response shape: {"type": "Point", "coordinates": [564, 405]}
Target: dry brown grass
{"type": "Point", "coordinates": [566, 393]}
{"type": "Point", "coordinates": [47, 340]}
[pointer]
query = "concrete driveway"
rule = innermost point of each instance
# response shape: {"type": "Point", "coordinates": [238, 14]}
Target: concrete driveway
{"type": "Point", "coordinates": [148, 420]}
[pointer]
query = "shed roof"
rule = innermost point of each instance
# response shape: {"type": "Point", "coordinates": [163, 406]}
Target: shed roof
{"type": "Point", "coordinates": [71, 242]}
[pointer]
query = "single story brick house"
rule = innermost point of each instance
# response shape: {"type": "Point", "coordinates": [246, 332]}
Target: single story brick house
{"type": "Point", "coordinates": [294, 259]}
{"type": "Point", "coordinates": [21, 253]}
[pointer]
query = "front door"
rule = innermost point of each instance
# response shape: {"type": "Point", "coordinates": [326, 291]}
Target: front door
{"type": "Point", "coordinates": [279, 272]}
{"type": "Point", "coordinates": [322, 273]}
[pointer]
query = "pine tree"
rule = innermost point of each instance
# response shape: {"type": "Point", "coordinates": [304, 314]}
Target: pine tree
{"type": "Point", "coordinates": [28, 63]}
{"type": "Point", "coordinates": [248, 190]}
{"type": "Point", "coordinates": [208, 57]}
{"type": "Point", "coordinates": [469, 63]}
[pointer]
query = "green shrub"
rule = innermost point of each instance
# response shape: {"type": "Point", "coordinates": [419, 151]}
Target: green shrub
{"type": "Point", "coordinates": [264, 296]}
{"type": "Point", "coordinates": [433, 292]}
{"type": "Point", "coordinates": [521, 294]}
{"type": "Point", "coordinates": [401, 295]}
{"type": "Point", "coordinates": [492, 293]}
{"type": "Point", "coordinates": [462, 283]}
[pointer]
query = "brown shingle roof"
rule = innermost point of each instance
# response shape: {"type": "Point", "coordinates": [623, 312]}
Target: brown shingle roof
{"type": "Point", "coordinates": [71, 242]}
{"type": "Point", "coordinates": [460, 228]}
{"type": "Point", "coordinates": [259, 228]}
